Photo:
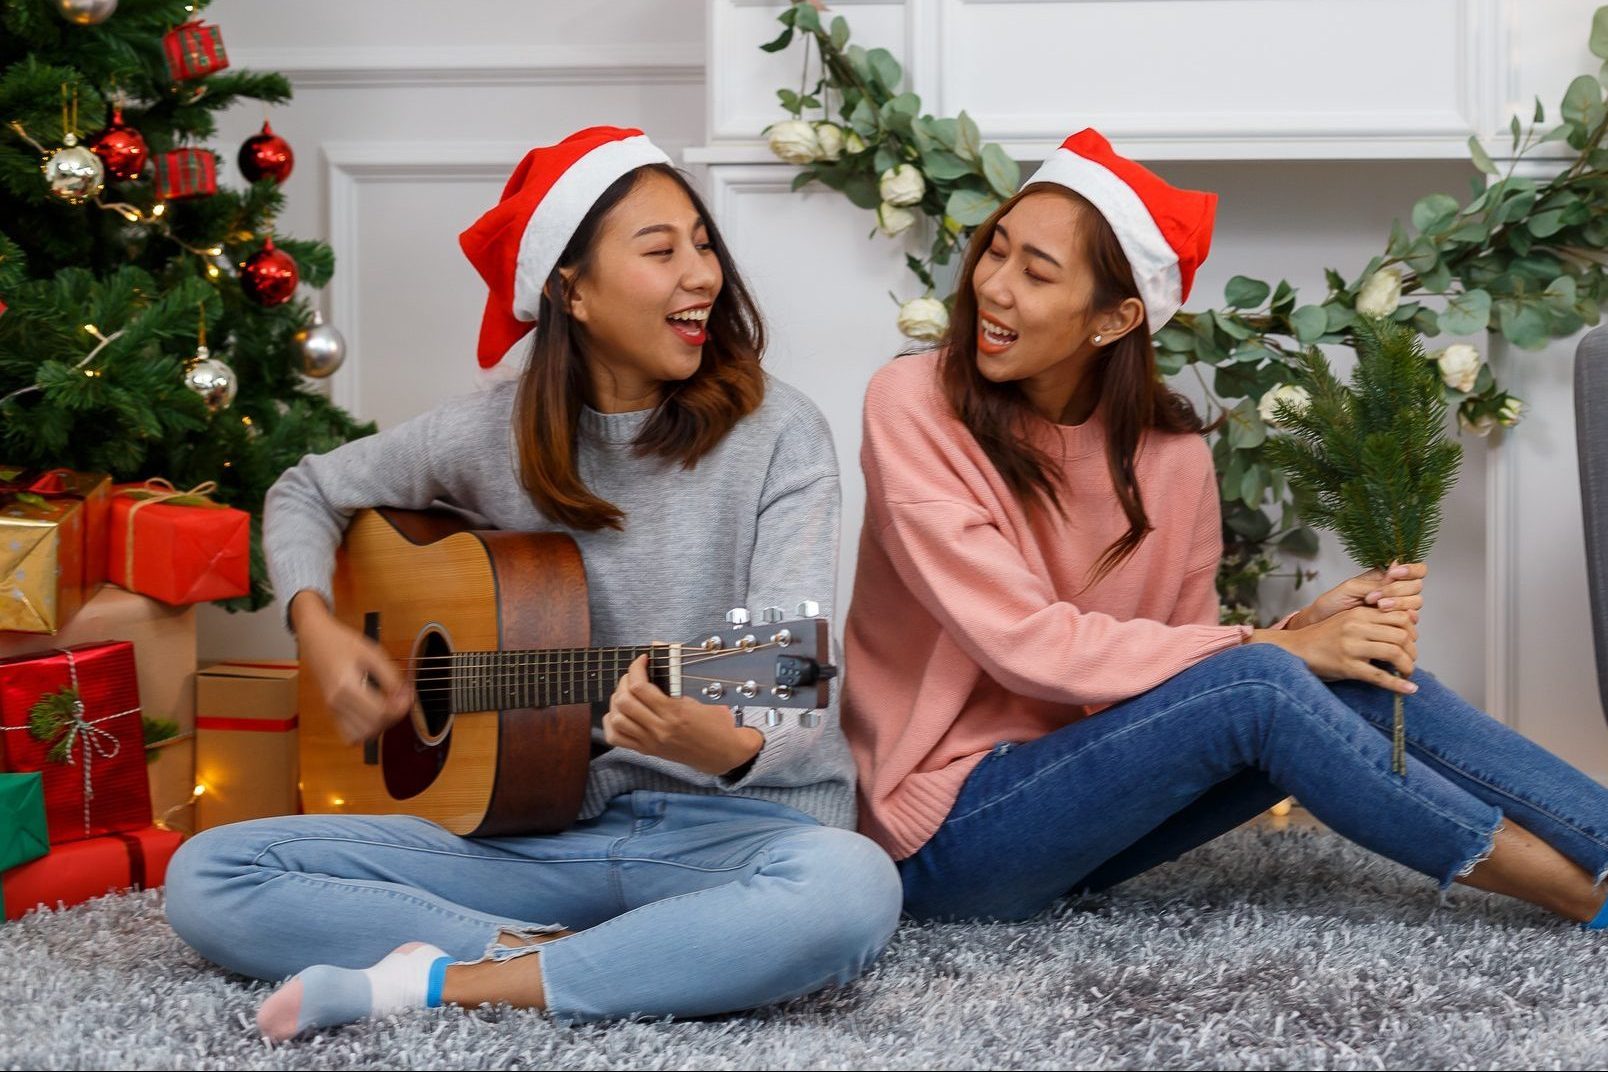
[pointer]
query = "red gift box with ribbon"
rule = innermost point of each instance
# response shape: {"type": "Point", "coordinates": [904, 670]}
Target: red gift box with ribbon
{"type": "Point", "coordinates": [72, 874]}
{"type": "Point", "coordinates": [179, 547]}
{"type": "Point", "coordinates": [193, 50]}
{"type": "Point", "coordinates": [74, 715]}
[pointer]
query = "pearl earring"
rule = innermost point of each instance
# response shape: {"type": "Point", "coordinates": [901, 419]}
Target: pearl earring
{"type": "Point", "coordinates": [1097, 340]}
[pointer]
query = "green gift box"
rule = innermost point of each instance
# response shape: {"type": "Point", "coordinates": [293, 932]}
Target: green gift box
{"type": "Point", "coordinates": [22, 819]}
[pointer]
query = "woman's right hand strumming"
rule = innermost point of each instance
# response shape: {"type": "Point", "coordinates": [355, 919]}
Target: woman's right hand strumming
{"type": "Point", "coordinates": [362, 687]}
{"type": "Point", "coordinates": [1350, 645]}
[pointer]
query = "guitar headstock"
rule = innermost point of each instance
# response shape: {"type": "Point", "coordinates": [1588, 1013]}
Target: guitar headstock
{"type": "Point", "coordinates": [773, 663]}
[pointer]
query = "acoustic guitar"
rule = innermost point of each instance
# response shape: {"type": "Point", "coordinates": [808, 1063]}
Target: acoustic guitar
{"type": "Point", "coordinates": [492, 629]}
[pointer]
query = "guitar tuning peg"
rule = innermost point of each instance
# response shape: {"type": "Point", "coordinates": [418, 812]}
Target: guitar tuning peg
{"type": "Point", "coordinates": [737, 616]}
{"type": "Point", "coordinates": [773, 717]}
{"type": "Point", "coordinates": [809, 719]}
{"type": "Point", "coordinates": [772, 615]}
{"type": "Point", "coordinates": [809, 609]}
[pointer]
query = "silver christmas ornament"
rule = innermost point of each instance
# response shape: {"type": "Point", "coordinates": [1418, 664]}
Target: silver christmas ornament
{"type": "Point", "coordinates": [321, 348]}
{"type": "Point", "coordinates": [74, 173]}
{"type": "Point", "coordinates": [86, 12]}
{"type": "Point", "coordinates": [210, 378]}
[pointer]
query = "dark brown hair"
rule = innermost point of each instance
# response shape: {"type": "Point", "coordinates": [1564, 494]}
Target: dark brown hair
{"type": "Point", "coordinates": [692, 415]}
{"type": "Point", "coordinates": [1131, 396]}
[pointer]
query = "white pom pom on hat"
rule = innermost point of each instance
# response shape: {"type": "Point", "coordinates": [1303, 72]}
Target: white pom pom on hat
{"type": "Point", "coordinates": [1165, 231]}
{"type": "Point", "coordinates": [516, 245]}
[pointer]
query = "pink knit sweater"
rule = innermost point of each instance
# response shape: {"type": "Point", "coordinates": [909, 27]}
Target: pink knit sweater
{"type": "Point", "coordinates": [967, 625]}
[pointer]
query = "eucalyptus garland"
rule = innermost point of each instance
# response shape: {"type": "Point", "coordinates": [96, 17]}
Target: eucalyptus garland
{"type": "Point", "coordinates": [1522, 256]}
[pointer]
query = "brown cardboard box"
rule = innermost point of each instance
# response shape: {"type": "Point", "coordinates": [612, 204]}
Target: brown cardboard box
{"type": "Point", "coordinates": [171, 766]}
{"type": "Point", "coordinates": [164, 648]}
{"type": "Point", "coordinates": [245, 742]}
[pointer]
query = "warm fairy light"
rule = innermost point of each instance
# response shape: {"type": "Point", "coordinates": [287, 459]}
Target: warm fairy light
{"type": "Point", "coordinates": [92, 373]}
{"type": "Point", "coordinates": [246, 421]}
{"type": "Point", "coordinates": [195, 794]}
{"type": "Point", "coordinates": [212, 271]}
{"type": "Point", "coordinates": [92, 329]}
{"type": "Point", "coordinates": [214, 251]}
{"type": "Point", "coordinates": [161, 207]}
{"type": "Point", "coordinates": [339, 802]}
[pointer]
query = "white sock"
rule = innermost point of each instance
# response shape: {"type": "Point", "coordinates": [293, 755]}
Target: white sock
{"type": "Point", "coordinates": [324, 995]}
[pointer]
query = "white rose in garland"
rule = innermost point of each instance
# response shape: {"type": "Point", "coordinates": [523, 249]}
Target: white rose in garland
{"type": "Point", "coordinates": [795, 141]}
{"type": "Point", "coordinates": [924, 318]}
{"type": "Point", "coordinates": [830, 137]}
{"type": "Point", "coordinates": [902, 185]}
{"type": "Point", "coordinates": [893, 220]}
{"type": "Point", "coordinates": [1292, 395]}
{"type": "Point", "coordinates": [1381, 294]}
{"type": "Point", "coordinates": [1459, 366]}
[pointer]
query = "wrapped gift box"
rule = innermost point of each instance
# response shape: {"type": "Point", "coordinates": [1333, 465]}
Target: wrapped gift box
{"type": "Point", "coordinates": [170, 765]}
{"type": "Point", "coordinates": [52, 546]}
{"type": "Point", "coordinates": [74, 716]}
{"type": "Point", "coordinates": [164, 647]}
{"type": "Point", "coordinates": [193, 50]}
{"type": "Point", "coordinates": [23, 836]}
{"type": "Point", "coordinates": [245, 742]}
{"type": "Point", "coordinates": [73, 873]}
{"type": "Point", "coordinates": [177, 547]}
{"type": "Point", "coordinates": [182, 173]}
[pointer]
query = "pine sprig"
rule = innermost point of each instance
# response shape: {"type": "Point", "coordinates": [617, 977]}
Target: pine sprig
{"type": "Point", "coordinates": [1371, 462]}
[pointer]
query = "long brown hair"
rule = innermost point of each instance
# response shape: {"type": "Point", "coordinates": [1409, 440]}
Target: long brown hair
{"type": "Point", "coordinates": [1131, 396]}
{"type": "Point", "coordinates": [691, 417]}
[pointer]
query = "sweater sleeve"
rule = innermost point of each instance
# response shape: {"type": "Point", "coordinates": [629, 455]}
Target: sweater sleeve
{"type": "Point", "coordinates": [1198, 603]}
{"type": "Point", "coordinates": [308, 508]}
{"type": "Point", "coordinates": [958, 562]}
{"type": "Point", "coordinates": [794, 559]}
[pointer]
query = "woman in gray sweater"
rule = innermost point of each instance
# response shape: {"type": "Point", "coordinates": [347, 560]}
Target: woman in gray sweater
{"type": "Point", "coordinates": [714, 867]}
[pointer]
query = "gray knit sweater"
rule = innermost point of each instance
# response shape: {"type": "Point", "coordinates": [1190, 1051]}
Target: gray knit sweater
{"type": "Point", "coordinates": [754, 524]}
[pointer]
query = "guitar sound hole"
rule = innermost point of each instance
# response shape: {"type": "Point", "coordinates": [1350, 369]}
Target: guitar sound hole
{"type": "Point", "coordinates": [433, 682]}
{"type": "Point", "coordinates": [415, 750]}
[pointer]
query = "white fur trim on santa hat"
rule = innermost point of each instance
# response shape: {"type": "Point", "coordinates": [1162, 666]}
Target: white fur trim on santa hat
{"type": "Point", "coordinates": [1154, 263]}
{"type": "Point", "coordinates": [565, 205]}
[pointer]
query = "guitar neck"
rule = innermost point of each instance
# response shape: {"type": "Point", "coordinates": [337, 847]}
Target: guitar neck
{"type": "Point", "coordinates": [548, 677]}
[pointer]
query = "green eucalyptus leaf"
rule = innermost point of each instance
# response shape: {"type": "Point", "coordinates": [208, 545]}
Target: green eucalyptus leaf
{"type": "Point", "coordinates": [839, 34]}
{"type": "Point", "coordinates": [782, 41]}
{"type": "Point", "coordinates": [1302, 541]}
{"type": "Point", "coordinates": [1242, 292]}
{"type": "Point", "coordinates": [1546, 224]}
{"type": "Point", "coordinates": [1244, 427]}
{"type": "Point", "coordinates": [1467, 313]}
{"type": "Point", "coordinates": [1308, 323]}
{"type": "Point", "coordinates": [1433, 211]}
{"type": "Point", "coordinates": [968, 141]}
{"type": "Point", "coordinates": [970, 208]}
{"type": "Point", "coordinates": [1002, 172]}
{"type": "Point", "coordinates": [941, 165]}
{"type": "Point", "coordinates": [1599, 33]}
{"type": "Point", "coordinates": [1583, 95]}
{"type": "Point", "coordinates": [1481, 158]}
{"type": "Point", "coordinates": [885, 69]}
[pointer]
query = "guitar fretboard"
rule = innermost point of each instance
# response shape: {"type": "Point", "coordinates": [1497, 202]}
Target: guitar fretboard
{"type": "Point", "coordinates": [549, 677]}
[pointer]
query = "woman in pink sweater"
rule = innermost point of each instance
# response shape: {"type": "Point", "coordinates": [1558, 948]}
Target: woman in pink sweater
{"type": "Point", "coordinates": [1039, 696]}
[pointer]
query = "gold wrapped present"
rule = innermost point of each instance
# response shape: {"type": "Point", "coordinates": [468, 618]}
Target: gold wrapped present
{"type": "Point", "coordinates": [52, 545]}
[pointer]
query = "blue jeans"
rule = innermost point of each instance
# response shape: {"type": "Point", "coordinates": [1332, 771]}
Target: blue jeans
{"type": "Point", "coordinates": [1144, 781]}
{"type": "Point", "coordinates": [683, 905]}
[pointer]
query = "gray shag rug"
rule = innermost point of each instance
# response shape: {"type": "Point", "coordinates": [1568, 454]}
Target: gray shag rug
{"type": "Point", "coordinates": [1265, 949]}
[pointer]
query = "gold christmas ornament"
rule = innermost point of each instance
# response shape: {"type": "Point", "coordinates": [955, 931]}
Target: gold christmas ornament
{"type": "Point", "coordinates": [86, 12]}
{"type": "Point", "coordinates": [73, 172]}
{"type": "Point", "coordinates": [321, 347]}
{"type": "Point", "coordinates": [212, 379]}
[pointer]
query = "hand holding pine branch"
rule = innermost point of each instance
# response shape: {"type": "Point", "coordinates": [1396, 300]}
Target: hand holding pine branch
{"type": "Point", "coordinates": [1372, 460]}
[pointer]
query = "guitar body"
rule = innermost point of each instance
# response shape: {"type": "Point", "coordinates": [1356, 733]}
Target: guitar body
{"type": "Point", "coordinates": [422, 583]}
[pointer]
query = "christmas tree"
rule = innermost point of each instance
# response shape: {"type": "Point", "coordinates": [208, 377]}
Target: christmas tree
{"type": "Point", "coordinates": [1371, 461]}
{"type": "Point", "coordinates": [150, 323]}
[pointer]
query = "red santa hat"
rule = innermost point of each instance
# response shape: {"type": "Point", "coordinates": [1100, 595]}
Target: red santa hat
{"type": "Point", "coordinates": [1165, 231]}
{"type": "Point", "coordinates": [515, 246]}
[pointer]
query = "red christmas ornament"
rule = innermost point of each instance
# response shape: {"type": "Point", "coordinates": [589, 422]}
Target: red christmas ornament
{"type": "Point", "coordinates": [121, 148]}
{"type": "Point", "coordinates": [269, 276]}
{"type": "Point", "coordinates": [266, 155]}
